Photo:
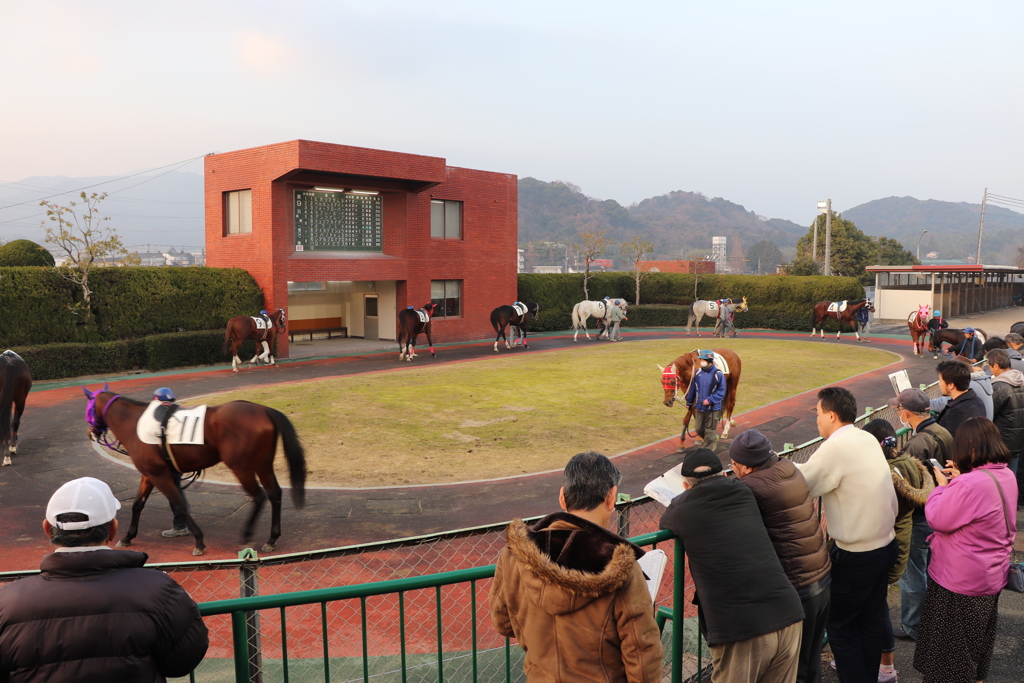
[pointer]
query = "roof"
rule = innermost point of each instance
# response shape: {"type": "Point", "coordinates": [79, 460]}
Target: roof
{"type": "Point", "coordinates": [945, 269]}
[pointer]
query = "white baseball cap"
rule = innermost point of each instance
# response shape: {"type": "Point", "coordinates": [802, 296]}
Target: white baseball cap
{"type": "Point", "coordinates": [88, 496]}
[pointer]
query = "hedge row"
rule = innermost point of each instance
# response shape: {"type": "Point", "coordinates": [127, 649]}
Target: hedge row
{"type": "Point", "coordinates": [776, 301]}
{"type": "Point", "coordinates": [38, 306]}
{"type": "Point", "coordinates": [671, 315]}
{"type": "Point", "coordinates": [152, 353]}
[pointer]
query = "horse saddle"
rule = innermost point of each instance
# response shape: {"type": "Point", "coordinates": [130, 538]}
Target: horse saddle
{"type": "Point", "coordinates": [720, 362]}
{"type": "Point", "coordinates": [520, 308]}
{"type": "Point", "coordinates": [171, 424]}
{"type": "Point", "coordinates": [10, 354]}
{"type": "Point", "coordinates": [424, 316]}
{"type": "Point", "coordinates": [262, 322]}
{"type": "Point", "coordinates": [837, 307]}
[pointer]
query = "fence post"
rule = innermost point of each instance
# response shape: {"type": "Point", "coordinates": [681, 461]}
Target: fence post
{"type": "Point", "coordinates": [249, 582]}
{"type": "Point", "coordinates": [623, 517]}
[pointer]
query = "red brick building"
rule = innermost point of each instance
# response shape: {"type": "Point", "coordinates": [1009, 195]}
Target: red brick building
{"type": "Point", "coordinates": [344, 236]}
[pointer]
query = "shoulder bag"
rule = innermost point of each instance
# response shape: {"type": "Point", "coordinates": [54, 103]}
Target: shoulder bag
{"type": "Point", "coordinates": [1015, 577]}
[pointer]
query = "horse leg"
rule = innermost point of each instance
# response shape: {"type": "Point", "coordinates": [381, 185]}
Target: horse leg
{"type": "Point", "coordinates": [696, 324]}
{"type": "Point", "coordinates": [248, 482]}
{"type": "Point", "coordinates": [856, 329]}
{"type": "Point", "coordinates": [145, 488]}
{"type": "Point", "coordinates": [236, 346]}
{"type": "Point", "coordinates": [273, 489]}
{"type": "Point", "coordinates": [265, 356]}
{"type": "Point", "coordinates": [523, 330]}
{"type": "Point", "coordinates": [401, 345]}
{"type": "Point", "coordinates": [169, 487]}
{"type": "Point", "coordinates": [19, 408]}
{"type": "Point", "coordinates": [430, 342]}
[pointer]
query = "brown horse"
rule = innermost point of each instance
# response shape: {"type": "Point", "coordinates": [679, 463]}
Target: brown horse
{"type": "Point", "coordinates": [676, 378]}
{"type": "Point", "coordinates": [15, 383]}
{"type": "Point", "coordinates": [503, 317]}
{"type": "Point", "coordinates": [240, 434]}
{"type": "Point", "coordinates": [245, 327]}
{"type": "Point", "coordinates": [917, 321]}
{"type": "Point", "coordinates": [821, 313]}
{"type": "Point", "coordinates": [409, 328]}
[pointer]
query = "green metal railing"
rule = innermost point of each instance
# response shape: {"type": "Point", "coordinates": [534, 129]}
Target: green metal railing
{"type": "Point", "coordinates": [240, 610]}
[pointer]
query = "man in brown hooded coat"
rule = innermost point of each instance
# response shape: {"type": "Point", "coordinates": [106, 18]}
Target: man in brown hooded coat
{"type": "Point", "coordinates": [572, 593]}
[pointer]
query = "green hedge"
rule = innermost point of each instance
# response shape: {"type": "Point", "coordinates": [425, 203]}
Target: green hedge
{"type": "Point", "coordinates": [782, 302]}
{"type": "Point", "coordinates": [38, 306]}
{"type": "Point", "coordinates": [152, 353]}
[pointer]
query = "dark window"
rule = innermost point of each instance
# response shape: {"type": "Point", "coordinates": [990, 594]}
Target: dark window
{"type": "Point", "coordinates": [371, 306]}
{"type": "Point", "coordinates": [445, 219]}
{"type": "Point", "coordinates": [448, 295]}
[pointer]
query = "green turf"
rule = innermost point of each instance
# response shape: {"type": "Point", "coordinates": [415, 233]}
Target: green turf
{"type": "Point", "coordinates": [521, 411]}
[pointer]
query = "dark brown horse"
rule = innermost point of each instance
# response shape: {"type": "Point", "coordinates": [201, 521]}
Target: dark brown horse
{"type": "Point", "coordinates": [410, 325]}
{"type": "Point", "coordinates": [504, 316]}
{"type": "Point", "coordinates": [676, 378]}
{"type": "Point", "coordinates": [245, 327]}
{"type": "Point", "coordinates": [15, 383]}
{"type": "Point", "coordinates": [953, 337]}
{"type": "Point", "coordinates": [240, 434]}
{"type": "Point", "coordinates": [821, 313]}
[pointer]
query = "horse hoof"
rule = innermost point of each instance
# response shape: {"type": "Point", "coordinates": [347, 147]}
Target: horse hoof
{"type": "Point", "coordinates": [123, 544]}
{"type": "Point", "coordinates": [7, 461]}
{"type": "Point", "coordinates": [267, 548]}
{"type": "Point", "coordinates": [198, 551]}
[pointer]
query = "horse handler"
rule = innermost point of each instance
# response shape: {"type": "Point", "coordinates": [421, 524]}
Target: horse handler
{"type": "Point", "coordinates": [706, 393]}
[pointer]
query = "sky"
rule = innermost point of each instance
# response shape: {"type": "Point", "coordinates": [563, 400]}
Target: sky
{"type": "Point", "coordinates": [770, 105]}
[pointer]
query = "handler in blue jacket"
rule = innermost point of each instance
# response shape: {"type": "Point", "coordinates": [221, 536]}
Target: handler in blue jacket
{"type": "Point", "coordinates": [707, 390]}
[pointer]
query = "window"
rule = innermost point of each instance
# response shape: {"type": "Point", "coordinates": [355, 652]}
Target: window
{"type": "Point", "coordinates": [306, 286]}
{"type": "Point", "coordinates": [445, 220]}
{"type": "Point", "coordinates": [448, 294]}
{"type": "Point", "coordinates": [237, 212]}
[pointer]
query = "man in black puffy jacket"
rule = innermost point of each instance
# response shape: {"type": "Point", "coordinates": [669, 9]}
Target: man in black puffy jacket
{"type": "Point", "coordinates": [1008, 404]}
{"type": "Point", "coordinates": [94, 614]}
{"type": "Point", "coordinates": [788, 513]}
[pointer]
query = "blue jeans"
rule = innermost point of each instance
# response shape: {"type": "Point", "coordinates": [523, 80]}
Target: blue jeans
{"type": "Point", "coordinates": [914, 582]}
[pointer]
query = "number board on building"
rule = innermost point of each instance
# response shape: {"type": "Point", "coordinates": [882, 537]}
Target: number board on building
{"type": "Point", "coordinates": [333, 221]}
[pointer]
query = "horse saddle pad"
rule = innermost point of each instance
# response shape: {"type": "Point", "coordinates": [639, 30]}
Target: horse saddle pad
{"type": "Point", "coordinates": [185, 426]}
{"type": "Point", "coordinates": [519, 308]}
{"type": "Point", "coordinates": [424, 316]}
{"type": "Point", "coordinates": [712, 307]}
{"type": "Point", "coordinates": [720, 362]}
{"type": "Point", "coordinates": [262, 323]}
{"type": "Point", "coordinates": [837, 307]}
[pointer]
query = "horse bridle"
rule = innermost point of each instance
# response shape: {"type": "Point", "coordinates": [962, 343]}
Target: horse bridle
{"type": "Point", "coordinates": [670, 376]}
{"type": "Point", "coordinates": [100, 428]}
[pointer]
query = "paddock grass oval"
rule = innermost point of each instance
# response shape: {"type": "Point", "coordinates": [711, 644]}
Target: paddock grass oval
{"type": "Point", "coordinates": [519, 412]}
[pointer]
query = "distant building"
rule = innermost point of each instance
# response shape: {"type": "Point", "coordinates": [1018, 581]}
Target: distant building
{"type": "Point", "coordinates": [522, 260]}
{"type": "Point", "coordinates": [602, 264]}
{"type": "Point", "coordinates": [719, 253]}
{"type": "Point", "coordinates": [699, 267]}
{"type": "Point", "coordinates": [547, 269]}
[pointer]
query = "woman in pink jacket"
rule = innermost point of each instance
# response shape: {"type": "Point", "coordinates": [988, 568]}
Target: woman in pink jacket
{"type": "Point", "coordinates": [974, 521]}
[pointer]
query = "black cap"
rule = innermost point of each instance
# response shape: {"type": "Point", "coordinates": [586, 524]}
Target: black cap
{"type": "Point", "coordinates": [700, 457]}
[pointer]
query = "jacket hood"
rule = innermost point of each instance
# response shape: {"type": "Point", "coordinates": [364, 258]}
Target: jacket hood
{"type": "Point", "coordinates": [571, 561]}
{"type": "Point", "coordinates": [77, 565]}
{"type": "Point", "coordinates": [906, 490]}
{"type": "Point", "coordinates": [1013, 377]}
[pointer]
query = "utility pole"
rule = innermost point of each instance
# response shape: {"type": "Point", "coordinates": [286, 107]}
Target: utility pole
{"type": "Point", "coordinates": [814, 250]}
{"type": "Point", "coordinates": [825, 207]}
{"type": "Point", "coordinates": [981, 228]}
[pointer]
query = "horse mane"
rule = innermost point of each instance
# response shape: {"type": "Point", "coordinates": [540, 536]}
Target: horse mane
{"type": "Point", "coordinates": [129, 401]}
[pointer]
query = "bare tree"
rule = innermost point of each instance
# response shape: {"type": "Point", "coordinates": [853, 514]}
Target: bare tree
{"type": "Point", "coordinates": [591, 246]}
{"type": "Point", "coordinates": [79, 234]}
{"type": "Point", "coordinates": [634, 250]}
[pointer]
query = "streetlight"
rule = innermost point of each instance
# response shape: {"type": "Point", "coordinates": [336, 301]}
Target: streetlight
{"type": "Point", "coordinates": [825, 207]}
{"type": "Point", "coordinates": [919, 245]}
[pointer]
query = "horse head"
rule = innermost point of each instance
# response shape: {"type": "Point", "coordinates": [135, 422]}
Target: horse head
{"type": "Point", "coordinates": [922, 313]}
{"type": "Point", "coordinates": [534, 309]}
{"type": "Point", "coordinates": [430, 308]}
{"type": "Point", "coordinates": [280, 319]}
{"type": "Point", "coordinates": [870, 305]}
{"type": "Point", "coordinates": [95, 420]}
{"type": "Point", "coordinates": [670, 383]}
{"type": "Point", "coordinates": [742, 306]}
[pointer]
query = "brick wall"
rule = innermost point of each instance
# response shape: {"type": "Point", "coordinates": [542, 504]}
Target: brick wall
{"type": "Point", "coordinates": [485, 259]}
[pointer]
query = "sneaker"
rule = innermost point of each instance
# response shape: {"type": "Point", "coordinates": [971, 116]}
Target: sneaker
{"type": "Point", "coordinates": [833, 664]}
{"type": "Point", "coordinates": [884, 677]}
{"type": "Point", "coordinates": [898, 632]}
{"type": "Point", "coordinates": [174, 533]}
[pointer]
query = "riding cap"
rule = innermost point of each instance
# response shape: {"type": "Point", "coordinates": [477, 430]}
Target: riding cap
{"type": "Point", "coordinates": [706, 354]}
{"type": "Point", "coordinates": [87, 496]}
{"type": "Point", "coordinates": [968, 330]}
{"type": "Point", "coordinates": [937, 314]}
{"type": "Point", "coordinates": [164, 394]}
{"type": "Point", "coordinates": [264, 312]}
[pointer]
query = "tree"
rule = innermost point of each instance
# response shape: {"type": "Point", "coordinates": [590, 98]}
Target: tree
{"type": "Point", "coordinates": [592, 245]}
{"type": "Point", "coordinates": [852, 250]}
{"type": "Point", "coordinates": [1018, 259]}
{"type": "Point", "coordinates": [803, 265]}
{"type": "Point", "coordinates": [80, 235]}
{"type": "Point", "coordinates": [25, 253]}
{"type": "Point", "coordinates": [763, 257]}
{"type": "Point", "coordinates": [634, 250]}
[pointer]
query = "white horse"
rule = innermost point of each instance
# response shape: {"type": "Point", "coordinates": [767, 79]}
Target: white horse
{"type": "Point", "coordinates": [600, 310]}
{"type": "Point", "coordinates": [712, 309]}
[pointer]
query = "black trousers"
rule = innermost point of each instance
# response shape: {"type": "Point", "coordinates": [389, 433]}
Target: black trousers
{"type": "Point", "coordinates": [179, 517]}
{"type": "Point", "coordinates": [856, 620]}
{"type": "Point", "coordinates": [816, 609]}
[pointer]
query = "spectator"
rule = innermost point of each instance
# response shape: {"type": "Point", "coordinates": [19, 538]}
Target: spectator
{"type": "Point", "coordinates": [849, 472]}
{"type": "Point", "coordinates": [94, 613]}
{"type": "Point", "coordinates": [615, 316]}
{"type": "Point", "coordinates": [1008, 406]}
{"type": "Point", "coordinates": [955, 382]}
{"type": "Point", "coordinates": [789, 516]}
{"type": "Point", "coordinates": [975, 526]}
{"type": "Point", "coordinates": [707, 391]}
{"type": "Point", "coordinates": [747, 608]}
{"type": "Point", "coordinates": [572, 593]}
{"type": "Point", "coordinates": [929, 441]}
{"type": "Point", "coordinates": [981, 383]}
{"type": "Point", "coordinates": [1013, 344]}
{"type": "Point", "coordinates": [971, 347]}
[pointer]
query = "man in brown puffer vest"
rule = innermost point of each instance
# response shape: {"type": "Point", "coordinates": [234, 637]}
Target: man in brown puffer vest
{"type": "Point", "coordinates": [792, 523]}
{"type": "Point", "coordinates": [572, 593]}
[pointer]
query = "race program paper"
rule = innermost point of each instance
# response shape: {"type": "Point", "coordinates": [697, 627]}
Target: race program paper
{"type": "Point", "coordinates": [667, 486]}
{"type": "Point", "coordinates": [653, 565]}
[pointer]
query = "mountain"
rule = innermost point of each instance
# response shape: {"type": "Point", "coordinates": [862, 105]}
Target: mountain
{"type": "Point", "coordinates": [952, 227]}
{"type": "Point", "coordinates": [675, 223]}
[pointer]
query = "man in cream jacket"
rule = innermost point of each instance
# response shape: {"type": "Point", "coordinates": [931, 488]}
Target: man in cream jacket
{"type": "Point", "coordinates": [850, 474]}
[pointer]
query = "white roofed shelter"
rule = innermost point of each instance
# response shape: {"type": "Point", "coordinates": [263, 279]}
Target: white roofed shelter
{"type": "Point", "coordinates": [956, 290]}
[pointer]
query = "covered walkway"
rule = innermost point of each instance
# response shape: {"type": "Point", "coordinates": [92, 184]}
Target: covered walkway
{"type": "Point", "coordinates": [957, 291]}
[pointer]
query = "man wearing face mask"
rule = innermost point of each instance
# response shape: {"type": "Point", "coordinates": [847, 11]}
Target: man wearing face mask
{"type": "Point", "coordinates": [706, 392]}
{"type": "Point", "coordinates": [930, 440]}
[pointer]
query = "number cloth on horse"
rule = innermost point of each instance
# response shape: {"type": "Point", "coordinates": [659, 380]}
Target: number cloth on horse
{"type": "Point", "coordinates": [720, 362]}
{"type": "Point", "coordinates": [262, 323]}
{"type": "Point", "coordinates": [184, 428]}
{"type": "Point", "coordinates": [520, 308]}
{"type": "Point", "coordinates": [837, 307]}
{"type": "Point", "coordinates": [424, 316]}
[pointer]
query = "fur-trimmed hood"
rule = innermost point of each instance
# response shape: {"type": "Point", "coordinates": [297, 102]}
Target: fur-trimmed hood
{"type": "Point", "coordinates": [570, 561]}
{"type": "Point", "coordinates": [906, 489]}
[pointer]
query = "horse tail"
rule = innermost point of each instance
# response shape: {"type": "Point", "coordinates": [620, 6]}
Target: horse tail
{"type": "Point", "coordinates": [294, 453]}
{"type": "Point", "coordinates": [814, 318]}
{"type": "Point", "coordinates": [7, 378]}
{"type": "Point", "coordinates": [576, 322]}
{"type": "Point", "coordinates": [227, 338]}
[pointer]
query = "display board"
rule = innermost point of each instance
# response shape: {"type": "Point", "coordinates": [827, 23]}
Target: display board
{"type": "Point", "coordinates": [336, 221]}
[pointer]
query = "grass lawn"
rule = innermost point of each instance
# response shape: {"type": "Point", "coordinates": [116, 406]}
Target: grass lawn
{"type": "Point", "coordinates": [519, 412]}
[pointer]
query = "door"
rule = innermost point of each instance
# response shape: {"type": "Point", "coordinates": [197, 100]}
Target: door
{"type": "Point", "coordinates": [370, 317]}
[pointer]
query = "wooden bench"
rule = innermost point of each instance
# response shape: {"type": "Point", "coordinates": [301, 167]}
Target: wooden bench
{"type": "Point", "coordinates": [313, 326]}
